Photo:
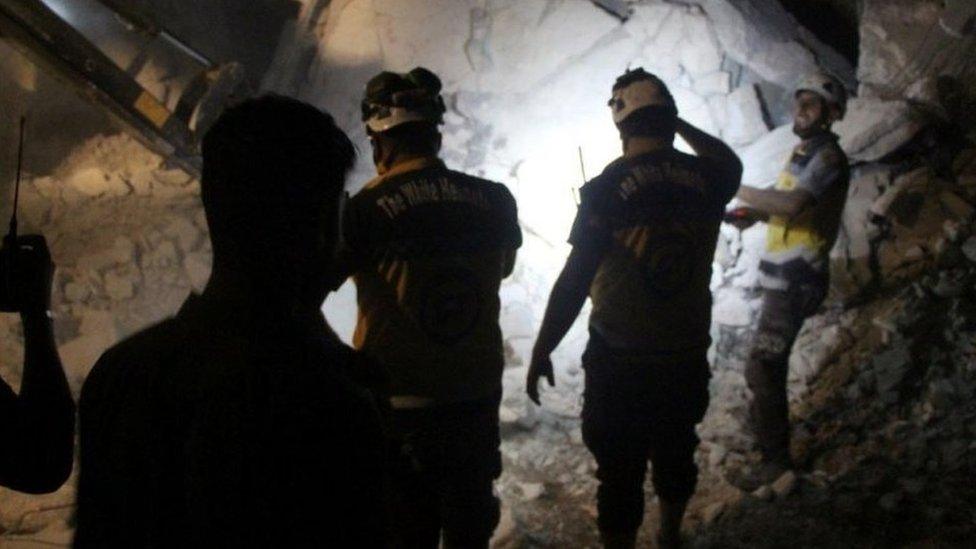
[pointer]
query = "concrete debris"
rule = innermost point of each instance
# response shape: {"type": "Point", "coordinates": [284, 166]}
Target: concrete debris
{"type": "Point", "coordinates": [903, 41]}
{"type": "Point", "coordinates": [713, 511]}
{"type": "Point", "coordinates": [531, 490]}
{"type": "Point", "coordinates": [764, 159]}
{"type": "Point", "coordinates": [744, 118]}
{"type": "Point", "coordinates": [763, 36]}
{"type": "Point", "coordinates": [785, 484]}
{"type": "Point", "coordinates": [969, 249]}
{"type": "Point", "coordinates": [873, 128]}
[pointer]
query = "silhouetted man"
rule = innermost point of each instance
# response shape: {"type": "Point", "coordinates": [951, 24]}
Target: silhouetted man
{"type": "Point", "coordinates": [428, 248]}
{"type": "Point", "coordinates": [234, 424]}
{"type": "Point", "coordinates": [803, 214]}
{"type": "Point", "coordinates": [38, 425]}
{"type": "Point", "coordinates": [643, 246]}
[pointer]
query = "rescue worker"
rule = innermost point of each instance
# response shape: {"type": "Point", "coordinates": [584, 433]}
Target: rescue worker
{"type": "Point", "coordinates": [427, 248]}
{"type": "Point", "coordinates": [236, 423]}
{"type": "Point", "coordinates": [803, 213]}
{"type": "Point", "coordinates": [643, 244]}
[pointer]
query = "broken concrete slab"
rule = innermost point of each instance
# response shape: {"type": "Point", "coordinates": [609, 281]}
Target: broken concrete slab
{"type": "Point", "coordinates": [903, 41]}
{"type": "Point", "coordinates": [874, 128]}
{"type": "Point", "coordinates": [763, 36]}
{"type": "Point", "coordinates": [764, 159]}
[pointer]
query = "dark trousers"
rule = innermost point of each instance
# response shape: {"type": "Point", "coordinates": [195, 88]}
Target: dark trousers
{"type": "Point", "coordinates": [780, 319]}
{"type": "Point", "coordinates": [448, 459]}
{"type": "Point", "coordinates": [637, 409]}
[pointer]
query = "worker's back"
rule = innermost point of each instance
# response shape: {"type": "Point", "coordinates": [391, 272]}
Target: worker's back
{"type": "Point", "coordinates": [430, 248]}
{"type": "Point", "coordinates": [662, 211]}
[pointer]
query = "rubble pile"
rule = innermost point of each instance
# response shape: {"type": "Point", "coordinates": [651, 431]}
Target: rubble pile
{"type": "Point", "coordinates": [884, 438]}
{"type": "Point", "coordinates": [129, 240]}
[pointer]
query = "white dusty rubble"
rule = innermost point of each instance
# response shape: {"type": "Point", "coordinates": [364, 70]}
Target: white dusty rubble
{"type": "Point", "coordinates": [120, 254]}
{"type": "Point", "coordinates": [763, 36]}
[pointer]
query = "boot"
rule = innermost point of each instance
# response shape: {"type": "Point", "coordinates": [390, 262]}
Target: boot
{"type": "Point", "coordinates": [618, 540]}
{"type": "Point", "coordinates": [669, 537]}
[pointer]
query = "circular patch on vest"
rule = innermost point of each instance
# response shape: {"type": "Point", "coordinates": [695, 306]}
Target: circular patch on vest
{"type": "Point", "coordinates": [450, 305]}
{"type": "Point", "coordinates": [669, 264]}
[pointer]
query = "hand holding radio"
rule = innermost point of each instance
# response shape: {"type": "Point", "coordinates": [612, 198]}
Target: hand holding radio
{"type": "Point", "coordinates": [26, 275]}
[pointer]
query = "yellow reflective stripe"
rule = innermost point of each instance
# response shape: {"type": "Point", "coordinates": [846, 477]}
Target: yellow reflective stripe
{"type": "Point", "coordinates": [779, 238]}
{"type": "Point", "coordinates": [781, 235]}
{"type": "Point", "coordinates": [786, 181]}
{"type": "Point", "coordinates": [153, 110]}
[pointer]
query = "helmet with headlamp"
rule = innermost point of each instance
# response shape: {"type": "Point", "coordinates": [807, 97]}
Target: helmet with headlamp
{"type": "Point", "coordinates": [393, 99]}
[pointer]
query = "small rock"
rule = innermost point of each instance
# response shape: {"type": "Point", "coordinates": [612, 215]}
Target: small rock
{"type": "Point", "coordinates": [820, 479]}
{"type": "Point", "coordinates": [177, 178]}
{"type": "Point", "coordinates": [969, 249]}
{"type": "Point", "coordinates": [197, 266]}
{"type": "Point", "coordinates": [185, 232]}
{"type": "Point", "coordinates": [890, 367]}
{"type": "Point", "coordinates": [764, 493]}
{"type": "Point", "coordinates": [576, 436]}
{"type": "Point", "coordinates": [76, 292]}
{"type": "Point", "coordinates": [716, 455]}
{"type": "Point", "coordinates": [531, 490]}
{"type": "Point", "coordinates": [94, 182]}
{"type": "Point", "coordinates": [507, 415]}
{"type": "Point", "coordinates": [123, 250]}
{"type": "Point", "coordinates": [713, 511]}
{"type": "Point", "coordinates": [785, 484]}
{"type": "Point", "coordinates": [118, 288]}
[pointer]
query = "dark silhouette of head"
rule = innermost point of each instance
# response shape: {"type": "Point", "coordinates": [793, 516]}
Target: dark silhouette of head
{"type": "Point", "coordinates": [273, 175]}
{"type": "Point", "coordinates": [642, 106]}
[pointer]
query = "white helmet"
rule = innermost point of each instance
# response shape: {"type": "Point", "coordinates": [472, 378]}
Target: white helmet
{"type": "Point", "coordinates": [393, 99]}
{"type": "Point", "coordinates": [635, 90]}
{"type": "Point", "coordinates": [826, 86]}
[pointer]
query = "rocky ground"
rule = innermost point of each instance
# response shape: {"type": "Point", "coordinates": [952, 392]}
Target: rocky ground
{"type": "Point", "coordinates": [884, 442]}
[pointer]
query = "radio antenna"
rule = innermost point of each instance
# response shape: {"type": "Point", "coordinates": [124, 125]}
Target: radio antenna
{"type": "Point", "coordinates": [20, 164]}
{"type": "Point", "coordinates": [576, 193]}
{"type": "Point", "coordinates": [582, 166]}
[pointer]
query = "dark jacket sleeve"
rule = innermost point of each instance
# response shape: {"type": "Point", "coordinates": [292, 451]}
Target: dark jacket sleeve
{"type": "Point", "coordinates": [38, 440]}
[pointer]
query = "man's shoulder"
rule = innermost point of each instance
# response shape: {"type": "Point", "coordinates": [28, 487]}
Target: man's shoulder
{"type": "Point", "coordinates": [832, 153]}
{"type": "Point", "coordinates": [826, 149]}
{"type": "Point", "coordinates": [132, 356]}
